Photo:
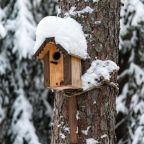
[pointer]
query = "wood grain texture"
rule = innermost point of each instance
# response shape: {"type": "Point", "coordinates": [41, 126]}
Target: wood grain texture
{"type": "Point", "coordinates": [47, 40]}
{"type": "Point", "coordinates": [72, 108]}
{"type": "Point", "coordinates": [76, 72]}
{"type": "Point", "coordinates": [44, 50]}
{"type": "Point", "coordinates": [56, 70]}
{"type": "Point", "coordinates": [67, 70]}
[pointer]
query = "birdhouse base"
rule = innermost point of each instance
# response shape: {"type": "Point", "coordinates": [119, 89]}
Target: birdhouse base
{"type": "Point", "coordinates": [68, 91]}
{"type": "Point", "coordinates": [59, 88]}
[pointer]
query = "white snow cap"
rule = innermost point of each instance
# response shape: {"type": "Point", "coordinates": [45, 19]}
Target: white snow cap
{"type": "Point", "coordinates": [66, 31]}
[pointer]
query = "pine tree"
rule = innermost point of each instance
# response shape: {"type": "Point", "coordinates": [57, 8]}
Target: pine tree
{"type": "Point", "coordinates": [25, 106]}
{"type": "Point", "coordinates": [130, 102]}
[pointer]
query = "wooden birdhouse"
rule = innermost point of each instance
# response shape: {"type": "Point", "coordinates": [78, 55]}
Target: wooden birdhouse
{"type": "Point", "coordinates": [61, 70]}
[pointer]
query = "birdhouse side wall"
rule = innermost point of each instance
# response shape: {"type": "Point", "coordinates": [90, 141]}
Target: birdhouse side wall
{"type": "Point", "coordinates": [56, 69]}
{"type": "Point", "coordinates": [76, 72]}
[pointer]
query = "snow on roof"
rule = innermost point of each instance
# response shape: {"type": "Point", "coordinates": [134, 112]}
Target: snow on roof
{"type": "Point", "coordinates": [98, 71]}
{"type": "Point", "coordinates": [66, 31]}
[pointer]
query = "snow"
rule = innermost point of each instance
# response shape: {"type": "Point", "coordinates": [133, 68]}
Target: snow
{"type": "Point", "coordinates": [104, 136]}
{"type": "Point", "coordinates": [78, 115]}
{"type": "Point", "coordinates": [2, 31]}
{"type": "Point", "coordinates": [91, 141]}
{"type": "Point", "coordinates": [2, 14]}
{"type": "Point", "coordinates": [94, 1]}
{"type": "Point", "coordinates": [2, 112]}
{"type": "Point", "coordinates": [49, 110]}
{"type": "Point", "coordinates": [94, 102]}
{"type": "Point", "coordinates": [138, 137]}
{"type": "Point", "coordinates": [66, 31]}
{"type": "Point", "coordinates": [62, 136]}
{"type": "Point", "coordinates": [66, 129]}
{"type": "Point", "coordinates": [74, 12]}
{"type": "Point", "coordinates": [121, 101]}
{"type": "Point", "coordinates": [3, 64]}
{"type": "Point", "coordinates": [23, 27]}
{"type": "Point", "coordinates": [138, 72]}
{"type": "Point", "coordinates": [142, 119]}
{"type": "Point", "coordinates": [77, 130]}
{"type": "Point", "coordinates": [98, 22]}
{"type": "Point", "coordinates": [99, 71]}
{"type": "Point", "coordinates": [85, 132]}
{"type": "Point", "coordinates": [138, 6]}
{"type": "Point", "coordinates": [22, 126]}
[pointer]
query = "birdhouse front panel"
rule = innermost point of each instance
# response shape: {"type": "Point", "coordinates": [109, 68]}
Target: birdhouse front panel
{"type": "Point", "coordinates": [56, 67]}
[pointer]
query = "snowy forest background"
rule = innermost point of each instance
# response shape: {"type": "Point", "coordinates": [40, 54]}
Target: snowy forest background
{"type": "Point", "coordinates": [26, 107]}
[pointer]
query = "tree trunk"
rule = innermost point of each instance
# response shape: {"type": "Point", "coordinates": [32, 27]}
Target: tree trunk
{"type": "Point", "coordinates": [96, 108]}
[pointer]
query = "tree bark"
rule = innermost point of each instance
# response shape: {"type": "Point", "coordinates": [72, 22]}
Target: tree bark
{"type": "Point", "coordinates": [96, 108]}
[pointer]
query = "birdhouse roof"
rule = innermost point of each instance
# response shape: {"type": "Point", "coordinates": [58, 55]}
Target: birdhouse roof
{"type": "Point", "coordinates": [66, 32]}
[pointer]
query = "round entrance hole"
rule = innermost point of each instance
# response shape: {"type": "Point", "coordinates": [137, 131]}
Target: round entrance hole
{"type": "Point", "coordinates": [56, 55]}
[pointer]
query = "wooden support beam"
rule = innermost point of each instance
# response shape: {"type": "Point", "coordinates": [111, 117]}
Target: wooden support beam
{"type": "Point", "coordinates": [72, 108]}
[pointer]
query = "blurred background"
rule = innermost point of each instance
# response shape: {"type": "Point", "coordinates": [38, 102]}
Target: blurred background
{"type": "Point", "coordinates": [26, 107]}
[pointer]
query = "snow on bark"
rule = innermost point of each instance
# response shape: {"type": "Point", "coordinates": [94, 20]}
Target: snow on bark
{"type": "Point", "coordinates": [74, 12]}
{"type": "Point", "coordinates": [91, 141]}
{"type": "Point", "coordinates": [66, 31]}
{"type": "Point", "coordinates": [99, 71]}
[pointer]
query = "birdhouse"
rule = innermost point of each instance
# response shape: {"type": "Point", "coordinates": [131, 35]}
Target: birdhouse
{"type": "Point", "coordinates": [61, 69]}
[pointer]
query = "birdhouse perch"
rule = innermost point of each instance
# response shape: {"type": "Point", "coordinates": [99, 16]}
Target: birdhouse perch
{"type": "Point", "coordinates": [61, 69]}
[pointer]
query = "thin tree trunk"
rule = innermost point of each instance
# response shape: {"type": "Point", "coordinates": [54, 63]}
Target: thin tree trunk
{"type": "Point", "coordinates": [96, 108]}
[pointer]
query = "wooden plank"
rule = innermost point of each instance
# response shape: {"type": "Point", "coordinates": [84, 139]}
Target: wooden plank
{"type": "Point", "coordinates": [72, 108]}
{"type": "Point", "coordinates": [67, 70]}
{"type": "Point", "coordinates": [46, 70]}
{"type": "Point", "coordinates": [45, 50]}
{"type": "Point", "coordinates": [76, 72]}
{"type": "Point", "coordinates": [56, 70]}
{"type": "Point", "coordinates": [47, 40]}
{"type": "Point", "coordinates": [40, 56]}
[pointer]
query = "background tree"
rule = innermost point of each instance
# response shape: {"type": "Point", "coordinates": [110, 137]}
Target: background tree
{"type": "Point", "coordinates": [25, 111]}
{"type": "Point", "coordinates": [96, 108]}
{"type": "Point", "coordinates": [130, 103]}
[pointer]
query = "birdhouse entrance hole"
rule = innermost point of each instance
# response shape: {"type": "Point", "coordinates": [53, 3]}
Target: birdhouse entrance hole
{"type": "Point", "coordinates": [56, 56]}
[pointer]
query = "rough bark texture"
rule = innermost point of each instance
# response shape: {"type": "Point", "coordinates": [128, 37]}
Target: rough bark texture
{"type": "Point", "coordinates": [97, 107]}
